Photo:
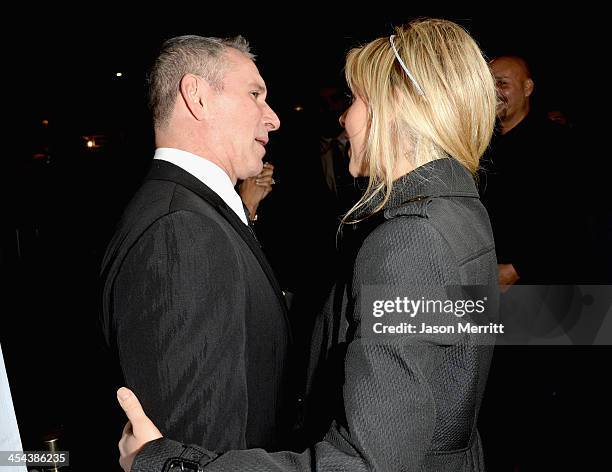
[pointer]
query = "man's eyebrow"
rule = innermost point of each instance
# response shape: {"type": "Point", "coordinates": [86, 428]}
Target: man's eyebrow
{"type": "Point", "coordinates": [258, 87]}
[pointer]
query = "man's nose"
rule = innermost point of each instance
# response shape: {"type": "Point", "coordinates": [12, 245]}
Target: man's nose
{"type": "Point", "coordinates": [271, 120]}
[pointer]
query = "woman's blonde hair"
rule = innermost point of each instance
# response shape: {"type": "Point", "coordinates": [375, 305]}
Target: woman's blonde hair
{"type": "Point", "coordinates": [454, 117]}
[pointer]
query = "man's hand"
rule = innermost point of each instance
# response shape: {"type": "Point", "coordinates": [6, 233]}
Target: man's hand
{"type": "Point", "coordinates": [507, 276]}
{"type": "Point", "coordinates": [254, 189]}
{"type": "Point", "coordinates": [138, 431]}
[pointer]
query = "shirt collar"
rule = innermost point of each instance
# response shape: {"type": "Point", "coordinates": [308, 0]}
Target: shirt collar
{"type": "Point", "coordinates": [208, 173]}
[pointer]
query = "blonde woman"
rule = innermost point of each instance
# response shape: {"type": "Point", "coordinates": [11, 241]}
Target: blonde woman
{"type": "Point", "coordinates": [422, 115]}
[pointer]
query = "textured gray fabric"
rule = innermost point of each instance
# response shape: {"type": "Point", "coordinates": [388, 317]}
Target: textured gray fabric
{"type": "Point", "coordinates": [406, 404]}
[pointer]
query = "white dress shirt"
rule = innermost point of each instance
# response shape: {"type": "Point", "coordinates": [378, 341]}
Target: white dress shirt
{"type": "Point", "coordinates": [208, 173]}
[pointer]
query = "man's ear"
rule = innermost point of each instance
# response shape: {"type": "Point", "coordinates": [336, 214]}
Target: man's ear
{"type": "Point", "coordinates": [528, 87]}
{"type": "Point", "coordinates": [195, 92]}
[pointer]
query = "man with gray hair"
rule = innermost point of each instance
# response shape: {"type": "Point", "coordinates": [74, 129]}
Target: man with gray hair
{"type": "Point", "coordinates": [190, 305]}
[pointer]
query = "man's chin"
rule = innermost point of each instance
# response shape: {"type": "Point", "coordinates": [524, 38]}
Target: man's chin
{"type": "Point", "coordinates": [257, 167]}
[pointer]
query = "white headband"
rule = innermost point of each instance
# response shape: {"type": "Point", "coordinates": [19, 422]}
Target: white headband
{"type": "Point", "coordinates": [399, 59]}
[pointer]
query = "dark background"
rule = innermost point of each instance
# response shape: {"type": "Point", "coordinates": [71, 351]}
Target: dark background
{"type": "Point", "coordinates": [63, 199]}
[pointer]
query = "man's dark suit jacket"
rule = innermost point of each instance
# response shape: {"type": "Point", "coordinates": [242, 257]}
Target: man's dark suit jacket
{"type": "Point", "coordinates": [406, 403]}
{"type": "Point", "coordinates": [196, 317]}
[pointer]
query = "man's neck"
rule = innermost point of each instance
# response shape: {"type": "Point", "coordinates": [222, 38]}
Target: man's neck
{"type": "Point", "coordinates": [162, 141]}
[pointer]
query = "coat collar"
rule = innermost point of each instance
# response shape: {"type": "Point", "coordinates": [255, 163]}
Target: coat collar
{"type": "Point", "coordinates": [412, 192]}
{"type": "Point", "coordinates": [162, 170]}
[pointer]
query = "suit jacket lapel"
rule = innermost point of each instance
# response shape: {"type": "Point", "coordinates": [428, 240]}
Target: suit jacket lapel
{"type": "Point", "coordinates": [162, 170]}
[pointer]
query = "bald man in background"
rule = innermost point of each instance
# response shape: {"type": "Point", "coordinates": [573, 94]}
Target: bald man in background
{"type": "Point", "coordinates": [524, 178]}
{"type": "Point", "coordinates": [529, 184]}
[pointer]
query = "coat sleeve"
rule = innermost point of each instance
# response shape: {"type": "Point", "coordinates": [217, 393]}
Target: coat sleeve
{"type": "Point", "coordinates": [389, 411]}
{"type": "Point", "coordinates": [179, 305]}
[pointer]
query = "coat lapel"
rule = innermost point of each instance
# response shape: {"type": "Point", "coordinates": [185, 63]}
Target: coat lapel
{"type": "Point", "coordinates": [162, 170]}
